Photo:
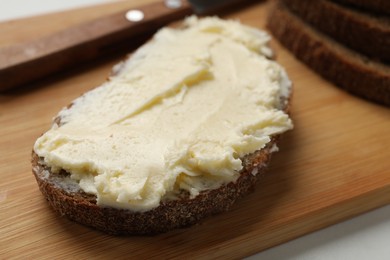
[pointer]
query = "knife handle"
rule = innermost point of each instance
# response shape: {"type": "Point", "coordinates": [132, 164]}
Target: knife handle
{"type": "Point", "coordinates": [29, 61]}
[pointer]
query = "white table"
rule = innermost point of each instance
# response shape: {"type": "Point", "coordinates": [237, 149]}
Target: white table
{"type": "Point", "coordinates": [363, 237]}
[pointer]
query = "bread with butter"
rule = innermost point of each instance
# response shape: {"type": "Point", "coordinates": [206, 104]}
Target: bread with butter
{"type": "Point", "coordinates": [185, 148]}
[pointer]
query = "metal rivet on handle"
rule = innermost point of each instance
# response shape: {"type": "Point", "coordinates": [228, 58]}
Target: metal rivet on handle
{"type": "Point", "coordinates": [135, 15]}
{"type": "Point", "coordinates": [173, 4]}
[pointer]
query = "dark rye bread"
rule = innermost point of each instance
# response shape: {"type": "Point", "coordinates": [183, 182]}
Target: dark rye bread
{"type": "Point", "coordinates": [67, 199]}
{"type": "Point", "coordinates": [344, 67]}
{"type": "Point", "coordinates": [379, 6]}
{"type": "Point", "coordinates": [364, 32]}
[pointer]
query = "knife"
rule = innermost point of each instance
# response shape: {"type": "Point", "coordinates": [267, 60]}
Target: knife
{"type": "Point", "coordinates": [30, 61]}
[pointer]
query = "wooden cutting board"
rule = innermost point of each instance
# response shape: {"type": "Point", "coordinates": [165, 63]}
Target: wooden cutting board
{"type": "Point", "coordinates": [334, 165]}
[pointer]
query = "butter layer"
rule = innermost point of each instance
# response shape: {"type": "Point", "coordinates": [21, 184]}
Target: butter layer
{"type": "Point", "coordinates": [179, 114]}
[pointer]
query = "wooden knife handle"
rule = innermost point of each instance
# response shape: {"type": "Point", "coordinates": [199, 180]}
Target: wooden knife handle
{"type": "Point", "coordinates": [29, 61]}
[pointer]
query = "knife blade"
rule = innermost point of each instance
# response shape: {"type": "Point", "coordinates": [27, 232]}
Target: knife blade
{"type": "Point", "coordinates": [33, 60]}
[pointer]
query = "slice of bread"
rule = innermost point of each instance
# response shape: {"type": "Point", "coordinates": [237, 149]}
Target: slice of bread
{"type": "Point", "coordinates": [335, 62]}
{"type": "Point", "coordinates": [380, 6]}
{"type": "Point", "coordinates": [67, 197]}
{"type": "Point", "coordinates": [362, 31]}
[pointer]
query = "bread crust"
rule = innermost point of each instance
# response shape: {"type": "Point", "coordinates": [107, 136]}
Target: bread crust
{"type": "Point", "coordinates": [379, 6]}
{"type": "Point", "coordinates": [362, 31]}
{"type": "Point", "coordinates": [349, 70]}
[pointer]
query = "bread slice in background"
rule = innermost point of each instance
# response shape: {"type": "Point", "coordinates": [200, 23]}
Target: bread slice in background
{"type": "Point", "coordinates": [379, 6]}
{"type": "Point", "coordinates": [362, 31]}
{"type": "Point", "coordinates": [344, 67]}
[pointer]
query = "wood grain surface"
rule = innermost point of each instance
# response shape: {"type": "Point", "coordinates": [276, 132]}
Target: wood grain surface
{"type": "Point", "coordinates": [43, 56]}
{"type": "Point", "coordinates": [334, 165]}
